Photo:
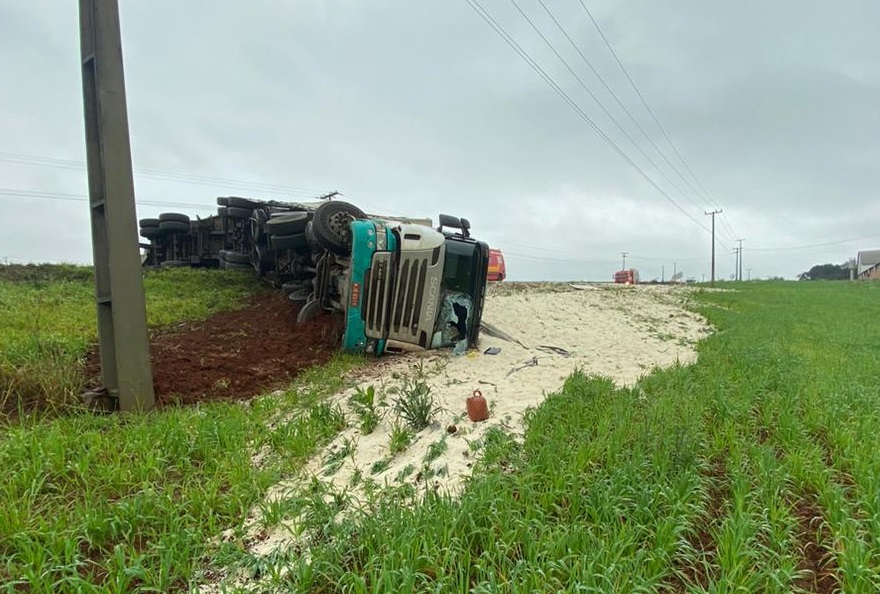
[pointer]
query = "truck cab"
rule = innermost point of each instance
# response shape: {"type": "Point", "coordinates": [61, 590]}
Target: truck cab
{"type": "Point", "coordinates": [400, 286]}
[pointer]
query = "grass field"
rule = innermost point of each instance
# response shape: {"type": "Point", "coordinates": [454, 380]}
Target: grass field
{"type": "Point", "coordinates": [755, 470]}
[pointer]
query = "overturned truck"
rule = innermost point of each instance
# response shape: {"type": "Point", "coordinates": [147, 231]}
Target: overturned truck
{"type": "Point", "coordinates": [400, 284]}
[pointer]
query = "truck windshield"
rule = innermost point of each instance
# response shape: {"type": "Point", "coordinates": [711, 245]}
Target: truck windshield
{"type": "Point", "coordinates": [458, 268]}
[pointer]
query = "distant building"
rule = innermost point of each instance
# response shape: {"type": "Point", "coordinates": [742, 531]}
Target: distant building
{"type": "Point", "coordinates": [868, 264]}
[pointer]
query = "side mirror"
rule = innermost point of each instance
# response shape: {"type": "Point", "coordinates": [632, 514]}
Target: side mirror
{"type": "Point", "coordinates": [455, 223]}
{"type": "Point", "coordinates": [449, 221]}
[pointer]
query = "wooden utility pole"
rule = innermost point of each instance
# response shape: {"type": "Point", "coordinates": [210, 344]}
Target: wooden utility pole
{"type": "Point", "coordinates": [712, 214]}
{"type": "Point", "coordinates": [119, 289]}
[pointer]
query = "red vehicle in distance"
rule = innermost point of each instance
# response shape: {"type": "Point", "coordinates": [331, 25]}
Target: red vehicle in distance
{"type": "Point", "coordinates": [497, 271]}
{"type": "Point", "coordinates": [627, 277]}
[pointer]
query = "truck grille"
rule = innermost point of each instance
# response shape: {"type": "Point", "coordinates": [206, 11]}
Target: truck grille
{"type": "Point", "coordinates": [376, 286]}
{"type": "Point", "coordinates": [402, 314]}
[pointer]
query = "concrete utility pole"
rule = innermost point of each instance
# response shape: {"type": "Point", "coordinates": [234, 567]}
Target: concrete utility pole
{"type": "Point", "coordinates": [624, 260]}
{"type": "Point", "coordinates": [712, 214]}
{"type": "Point", "coordinates": [739, 260]}
{"type": "Point", "coordinates": [119, 289]}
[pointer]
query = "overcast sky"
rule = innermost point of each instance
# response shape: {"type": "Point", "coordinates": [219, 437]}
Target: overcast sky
{"type": "Point", "coordinates": [417, 108]}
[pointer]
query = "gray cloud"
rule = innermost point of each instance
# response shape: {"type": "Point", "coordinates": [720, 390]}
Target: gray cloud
{"type": "Point", "coordinates": [419, 108]}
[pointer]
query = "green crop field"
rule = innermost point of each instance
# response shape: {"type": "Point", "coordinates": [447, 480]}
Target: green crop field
{"type": "Point", "coordinates": [755, 470]}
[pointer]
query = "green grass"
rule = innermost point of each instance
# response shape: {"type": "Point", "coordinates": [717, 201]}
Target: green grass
{"type": "Point", "coordinates": [48, 322]}
{"type": "Point", "coordinates": [136, 502]}
{"type": "Point", "coordinates": [755, 470]}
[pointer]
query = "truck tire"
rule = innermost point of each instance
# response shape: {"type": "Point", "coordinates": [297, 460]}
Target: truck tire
{"type": "Point", "coordinates": [287, 224]}
{"type": "Point", "coordinates": [300, 296]}
{"type": "Point", "coordinates": [221, 212]}
{"type": "Point", "coordinates": [235, 212]}
{"type": "Point", "coordinates": [310, 235]}
{"type": "Point", "coordinates": [331, 226]}
{"type": "Point", "coordinates": [174, 216]}
{"type": "Point", "coordinates": [174, 226]}
{"type": "Point", "coordinates": [263, 259]}
{"type": "Point", "coordinates": [309, 311]}
{"type": "Point", "coordinates": [150, 232]}
{"type": "Point", "coordinates": [149, 222]}
{"type": "Point", "coordinates": [222, 200]}
{"type": "Point", "coordinates": [288, 242]}
{"type": "Point", "coordinates": [236, 202]}
{"type": "Point", "coordinates": [258, 223]}
{"type": "Point", "coordinates": [238, 258]}
{"type": "Point", "coordinates": [292, 286]}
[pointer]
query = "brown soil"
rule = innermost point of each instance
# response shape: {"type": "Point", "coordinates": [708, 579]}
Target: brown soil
{"type": "Point", "coordinates": [236, 354]}
{"type": "Point", "coordinates": [817, 562]}
{"type": "Point", "coordinates": [689, 573]}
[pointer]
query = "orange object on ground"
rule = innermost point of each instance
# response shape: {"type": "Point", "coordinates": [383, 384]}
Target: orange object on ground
{"type": "Point", "coordinates": [477, 409]}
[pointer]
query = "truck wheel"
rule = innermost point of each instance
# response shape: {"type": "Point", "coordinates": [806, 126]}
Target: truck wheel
{"type": "Point", "coordinates": [258, 222]}
{"type": "Point", "coordinates": [300, 296]}
{"type": "Point", "coordinates": [292, 286]}
{"type": "Point", "coordinates": [174, 226]}
{"type": "Point", "coordinates": [237, 202]}
{"type": "Point", "coordinates": [149, 222]}
{"type": "Point", "coordinates": [237, 266]}
{"type": "Point", "coordinates": [287, 242]}
{"type": "Point", "coordinates": [174, 216]}
{"type": "Point", "coordinates": [150, 232]}
{"type": "Point", "coordinates": [235, 212]}
{"type": "Point", "coordinates": [263, 259]}
{"type": "Point", "coordinates": [309, 311]}
{"type": "Point", "coordinates": [331, 226]}
{"type": "Point", "coordinates": [222, 200]}
{"type": "Point", "coordinates": [238, 258]}
{"type": "Point", "coordinates": [287, 224]}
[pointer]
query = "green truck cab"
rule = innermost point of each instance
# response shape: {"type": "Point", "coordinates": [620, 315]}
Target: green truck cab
{"type": "Point", "coordinates": [401, 286]}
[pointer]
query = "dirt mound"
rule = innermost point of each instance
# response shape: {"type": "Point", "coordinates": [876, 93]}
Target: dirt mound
{"type": "Point", "coordinates": [236, 354]}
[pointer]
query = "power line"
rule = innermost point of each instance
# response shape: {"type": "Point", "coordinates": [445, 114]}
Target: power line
{"type": "Point", "coordinates": [660, 259]}
{"type": "Point", "coordinates": [626, 110]}
{"type": "Point", "coordinates": [22, 159]}
{"type": "Point", "coordinates": [475, 5]}
{"type": "Point", "coordinates": [647, 107]}
{"type": "Point", "coordinates": [593, 96]}
{"type": "Point", "coordinates": [558, 260]}
{"type": "Point", "coordinates": [814, 245]}
{"type": "Point", "coordinates": [13, 193]}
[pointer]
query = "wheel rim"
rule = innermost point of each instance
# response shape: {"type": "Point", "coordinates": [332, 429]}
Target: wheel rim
{"type": "Point", "coordinates": [339, 223]}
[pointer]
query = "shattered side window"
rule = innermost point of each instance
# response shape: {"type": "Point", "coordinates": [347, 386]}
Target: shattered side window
{"type": "Point", "coordinates": [453, 322]}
